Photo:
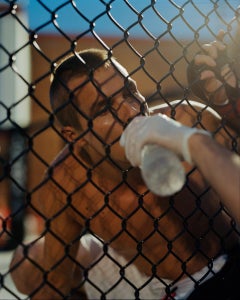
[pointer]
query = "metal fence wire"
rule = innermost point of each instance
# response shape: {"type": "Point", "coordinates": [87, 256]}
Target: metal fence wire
{"type": "Point", "coordinates": [133, 244]}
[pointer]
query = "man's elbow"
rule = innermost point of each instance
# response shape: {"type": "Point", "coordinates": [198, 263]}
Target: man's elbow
{"type": "Point", "coordinates": [24, 274]}
{"type": "Point", "coordinates": [20, 283]}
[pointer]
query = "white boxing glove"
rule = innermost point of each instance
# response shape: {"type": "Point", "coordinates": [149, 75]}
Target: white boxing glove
{"type": "Point", "coordinates": [158, 129]}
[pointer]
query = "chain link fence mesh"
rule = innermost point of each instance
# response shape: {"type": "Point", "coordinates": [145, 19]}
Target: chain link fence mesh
{"type": "Point", "coordinates": [156, 41]}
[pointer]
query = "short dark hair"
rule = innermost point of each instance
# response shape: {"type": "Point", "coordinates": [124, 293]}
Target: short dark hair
{"type": "Point", "coordinates": [76, 65]}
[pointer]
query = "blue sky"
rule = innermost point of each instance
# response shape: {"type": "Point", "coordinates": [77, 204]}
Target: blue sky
{"type": "Point", "coordinates": [114, 17]}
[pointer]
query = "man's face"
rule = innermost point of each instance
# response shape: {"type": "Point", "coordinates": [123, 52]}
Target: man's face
{"type": "Point", "coordinates": [108, 102]}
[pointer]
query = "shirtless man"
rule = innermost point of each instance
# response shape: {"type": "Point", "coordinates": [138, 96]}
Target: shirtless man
{"type": "Point", "coordinates": [92, 187]}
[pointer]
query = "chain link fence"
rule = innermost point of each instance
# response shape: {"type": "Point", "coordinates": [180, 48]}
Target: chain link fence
{"type": "Point", "coordinates": [156, 41]}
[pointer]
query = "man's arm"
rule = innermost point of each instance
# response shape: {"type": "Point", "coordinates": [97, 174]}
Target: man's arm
{"type": "Point", "coordinates": [220, 167]}
{"type": "Point", "coordinates": [195, 146]}
{"type": "Point", "coordinates": [26, 268]}
{"type": "Point", "coordinates": [212, 78]}
{"type": "Point", "coordinates": [61, 240]}
{"type": "Point", "coordinates": [60, 249]}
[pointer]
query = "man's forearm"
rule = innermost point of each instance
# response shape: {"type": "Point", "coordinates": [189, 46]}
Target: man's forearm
{"type": "Point", "coordinates": [221, 168]}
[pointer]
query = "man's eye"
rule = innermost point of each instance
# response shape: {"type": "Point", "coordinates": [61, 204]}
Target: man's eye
{"type": "Point", "coordinates": [104, 109]}
{"type": "Point", "coordinates": [113, 109]}
{"type": "Point", "coordinates": [101, 109]}
{"type": "Point", "coordinates": [131, 90]}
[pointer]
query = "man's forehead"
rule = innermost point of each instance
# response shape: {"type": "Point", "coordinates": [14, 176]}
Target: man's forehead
{"type": "Point", "coordinates": [114, 71]}
{"type": "Point", "coordinates": [101, 77]}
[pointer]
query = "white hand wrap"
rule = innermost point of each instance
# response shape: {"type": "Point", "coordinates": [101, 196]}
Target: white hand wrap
{"type": "Point", "coordinates": [157, 129]}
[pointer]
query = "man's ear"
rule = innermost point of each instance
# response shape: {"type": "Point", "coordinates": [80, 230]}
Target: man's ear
{"type": "Point", "coordinates": [70, 134]}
